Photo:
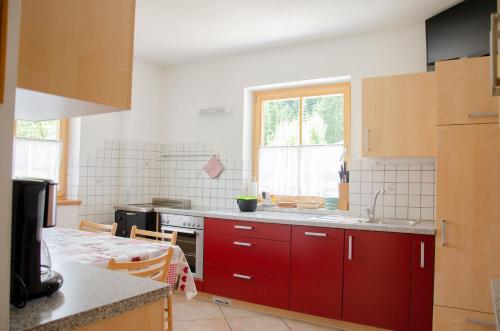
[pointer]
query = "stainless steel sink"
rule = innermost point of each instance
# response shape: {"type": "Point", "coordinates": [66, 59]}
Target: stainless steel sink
{"type": "Point", "coordinates": [338, 218]}
{"type": "Point", "coordinates": [357, 220]}
{"type": "Point", "coordinates": [395, 222]}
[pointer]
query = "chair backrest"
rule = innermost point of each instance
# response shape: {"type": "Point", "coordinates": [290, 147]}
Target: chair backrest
{"type": "Point", "coordinates": [155, 268]}
{"type": "Point", "coordinates": [136, 233]}
{"type": "Point", "coordinates": [96, 227]}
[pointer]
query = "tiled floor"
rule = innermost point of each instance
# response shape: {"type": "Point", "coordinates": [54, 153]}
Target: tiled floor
{"type": "Point", "coordinates": [200, 315]}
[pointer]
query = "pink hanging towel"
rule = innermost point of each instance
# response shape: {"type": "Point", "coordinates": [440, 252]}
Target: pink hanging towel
{"type": "Point", "coordinates": [214, 167]}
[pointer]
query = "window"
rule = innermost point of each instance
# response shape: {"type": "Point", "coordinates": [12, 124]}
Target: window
{"type": "Point", "coordinates": [301, 136]}
{"type": "Point", "coordinates": [40, 151]}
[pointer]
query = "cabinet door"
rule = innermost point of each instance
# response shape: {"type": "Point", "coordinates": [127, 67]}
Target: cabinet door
{"type": "Point", "coordinates": [316, 271]}
{"type": "Point", "coordinates": [468, 201]}
{"type": "Point", "coordinates": [422, 282]}
{"type": "Point", "coordinates": [377, 279]}
{"type": "Point", "coordinates": [464, 92]}
{"type": "Point", "coordinates": [399, 116]}
{"type": "Point", "coordinates": [80, 49]}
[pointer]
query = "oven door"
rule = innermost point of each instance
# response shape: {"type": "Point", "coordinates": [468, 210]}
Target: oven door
{"type": "Point", "coordinates": [191, 243]}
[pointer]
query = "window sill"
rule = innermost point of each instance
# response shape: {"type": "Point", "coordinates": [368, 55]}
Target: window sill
{"type": "Point", "coordinates": [67, 202]}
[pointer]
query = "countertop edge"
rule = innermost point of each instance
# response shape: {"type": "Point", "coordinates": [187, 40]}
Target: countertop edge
{"type": "Point", "coordinates": [104, 312]}
{"type": "Point", "coordinates": [282, 219]}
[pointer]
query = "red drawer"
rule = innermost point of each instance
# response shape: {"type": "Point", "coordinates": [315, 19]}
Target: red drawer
{"type": "Point", "coordinates": [270, 231]}
{"type": "Point", "coordinates": [253, 253]}
{"type": "Point", "coordinates": [265, 288]}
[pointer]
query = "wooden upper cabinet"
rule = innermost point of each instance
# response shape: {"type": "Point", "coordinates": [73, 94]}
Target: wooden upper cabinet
{"type": "Point", "coordinates": [468, 196]}
{"type": "Point", "coordinates": [399, 116]}
{"type": "Point", "coordinates": [80, 49]}
{"type": "Point", "coordinates": [464, 92]}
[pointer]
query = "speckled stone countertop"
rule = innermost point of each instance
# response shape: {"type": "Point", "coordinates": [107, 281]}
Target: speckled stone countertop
{"type": "Point", "coordinates": [495, 289]}
{"type": "Point", "coordinates": [89, 294]}
{"type": "Point", "coordinates": [423, 227]}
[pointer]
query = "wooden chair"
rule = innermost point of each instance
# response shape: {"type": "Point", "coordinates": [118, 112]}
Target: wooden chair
{"type": "Point", "coordinates": [135, 233]}
{"type": "Point", "coordinates": [156, 268]}
{"type": "Point", "coordinates": [96, 227]}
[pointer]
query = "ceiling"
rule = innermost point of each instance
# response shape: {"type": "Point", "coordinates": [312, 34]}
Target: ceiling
{"type": "Point", "coordinates": [177, 31]}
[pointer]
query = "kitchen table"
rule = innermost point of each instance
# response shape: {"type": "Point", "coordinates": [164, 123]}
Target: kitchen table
{"type": "Point", "coordinates": [98, 248]}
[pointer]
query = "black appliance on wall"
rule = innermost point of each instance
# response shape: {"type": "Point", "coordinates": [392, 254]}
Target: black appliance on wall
{"type": "Point", "coordinates": [460, 31]}
{"type": "Point", "coordinates": [33, 207]}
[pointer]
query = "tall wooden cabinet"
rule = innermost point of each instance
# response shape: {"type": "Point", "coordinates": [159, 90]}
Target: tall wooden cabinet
{"type": "Point", "coordinates": [468, 214]}
{"type": "Point", "coordinates": [399, 116]}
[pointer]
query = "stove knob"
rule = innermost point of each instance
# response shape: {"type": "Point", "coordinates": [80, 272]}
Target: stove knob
{"type": "Point", "coordinates": [167, 221]}
{"type": "Point", "coordinates": [184, 223]}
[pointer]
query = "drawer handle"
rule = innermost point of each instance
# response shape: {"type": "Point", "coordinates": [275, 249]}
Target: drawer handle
{"type": "Point", "coordinates": [483, 114]}
{"type": "Point", "coordinates": [480, 322]}
{"type": "Point", "coordinates": [315, 234]}
{"type": "Point", "coordinates": [422, 255]}
{"type": "Point", "coordinates": [242, 276]}
{"type": "Point", "coordinates": [239, 243]}
{"type": "Point", "coordinates": [243, 227]}
{"type": "Point", "coordinates": [131, 214]}
{"type": "Point", "coordinates": [443, 233]}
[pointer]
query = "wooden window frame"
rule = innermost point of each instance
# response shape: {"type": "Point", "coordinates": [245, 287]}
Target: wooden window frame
{"type": "Point", "coordinates": [63, 168]}
{"type": "Point", "coordinates": [298, 92]}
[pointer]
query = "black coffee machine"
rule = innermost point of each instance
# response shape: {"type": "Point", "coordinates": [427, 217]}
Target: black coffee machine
{"type": "Point", "coordinates": [33, 207]}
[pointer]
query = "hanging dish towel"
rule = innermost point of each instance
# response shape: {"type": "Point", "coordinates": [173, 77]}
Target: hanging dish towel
{"type": "Point", "coordinates": [214, 167]}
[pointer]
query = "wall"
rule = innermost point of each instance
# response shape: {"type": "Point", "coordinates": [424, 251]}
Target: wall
{"type": "Point", "coordinates": [6, 127]}
{"type": "Point", "coordinates": [220, 82]}
{"type": "Point", "coordinates": [143, 122]}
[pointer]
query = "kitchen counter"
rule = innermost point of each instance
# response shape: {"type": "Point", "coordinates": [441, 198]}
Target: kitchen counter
{"type": "Point", "coordinates": [89, 294]}
{"type": "Point", "coordinates": [423, 227]}
{"type": "Point", "coordinates": [495, 289]}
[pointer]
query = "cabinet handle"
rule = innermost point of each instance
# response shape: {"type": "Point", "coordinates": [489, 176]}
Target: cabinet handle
{"type": "Point", "coordinates": [242, 227]}
{"type": "Point", "coordinates": [367, 140]}
{"type": "Point", "coordinates": [315, 234]}
{"type": "Point", "coordinates": [483, 114]}
{"type": "Point", "coordinates": [349, 250]}
{"type": "Point", "coordinates": [242, 276]}
{"type": "Point", "coordinates": [480, 322]}
{"type": "Point", "coordinates": [130, 214]}
{"type": "Point", "coordinates": [443, 233]}
{"type": "Point", "coordinates": [422, 255]}
{"type": "Point", "coordinates": [239, 243]}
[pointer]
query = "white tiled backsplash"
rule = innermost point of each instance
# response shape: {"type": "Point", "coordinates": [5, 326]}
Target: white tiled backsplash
{"type": "Point", "coordinates": [136, 172]}
{"type": "Point", "coordinates": [409, 189]}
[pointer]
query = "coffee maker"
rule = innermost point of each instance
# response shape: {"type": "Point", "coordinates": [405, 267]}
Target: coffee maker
{"type": "Point", "coordinates": [34, 203]}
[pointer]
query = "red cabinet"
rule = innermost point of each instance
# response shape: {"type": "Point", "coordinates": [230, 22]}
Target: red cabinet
{"type": "Point", "coordinates": [422, 282]}
{"type": "Point", "coordinates": [248, 261]}
{"type": "Point", "coordinates": [377, 275]}
{"type": "Point", "coordinates": [316, 271]}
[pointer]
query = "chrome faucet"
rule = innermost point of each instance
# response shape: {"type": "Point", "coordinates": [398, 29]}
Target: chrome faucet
{"type": "Point", "coordinates": [371, 212]}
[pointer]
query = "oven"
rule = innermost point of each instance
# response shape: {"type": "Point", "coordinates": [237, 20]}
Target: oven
{"type": "Point", "coordinates": [189, 238]}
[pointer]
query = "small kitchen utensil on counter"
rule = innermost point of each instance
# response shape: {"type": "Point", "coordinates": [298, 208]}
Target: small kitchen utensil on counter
{"type": "Point", "coordinates": [266, 199]}
{"type": "Point", "coordinates": [247, 203]}
{"type": "Point", "coordinates": [214, 167]}
{"type": "Point", "coordinates": [308, 204]}
{"type": "Point", "coordinates": [331, 203]}
{"type": "Point", "coordinates": [287, 204]}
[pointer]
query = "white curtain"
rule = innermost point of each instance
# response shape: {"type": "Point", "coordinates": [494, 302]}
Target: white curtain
{"type": "Point", "coordinates": [37, 158]}
{"type": "Point", "coordinates": [300, 170]}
